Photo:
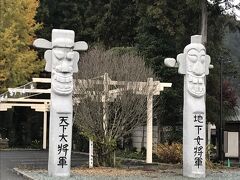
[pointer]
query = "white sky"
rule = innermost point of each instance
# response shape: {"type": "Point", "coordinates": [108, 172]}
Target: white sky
{"type": "Point", "coordinates": [233, 10]}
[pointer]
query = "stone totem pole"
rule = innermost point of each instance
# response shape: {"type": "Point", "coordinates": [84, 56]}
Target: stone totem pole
{"type": "Point", "coordinates": [61, 60]}
{"type": "Point", "coordinates": [194, 64]}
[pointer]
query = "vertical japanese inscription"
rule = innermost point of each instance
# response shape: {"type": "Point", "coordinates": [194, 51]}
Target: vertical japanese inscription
{"type": "Point", "coordinates": [63, 146]}
{"type": "Point", "coordinates": [198, 140]}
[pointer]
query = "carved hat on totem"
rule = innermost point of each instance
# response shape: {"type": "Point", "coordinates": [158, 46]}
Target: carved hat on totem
{"type": "Point", "coordinates": [63, 38]}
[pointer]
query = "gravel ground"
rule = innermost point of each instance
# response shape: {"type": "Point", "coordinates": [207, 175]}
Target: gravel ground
{"type": "Point", "coordinates": [131, 174]}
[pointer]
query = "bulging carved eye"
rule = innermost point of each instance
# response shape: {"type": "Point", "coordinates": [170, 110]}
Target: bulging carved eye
{"type": "Point", "coordinates": [70, 55]}
{"type": "Point", "coordinates": [202, 59]}
{"type": "Point", "coordinates": [59, 54]}
{"type": "Point", "coordinates": [192, 57]}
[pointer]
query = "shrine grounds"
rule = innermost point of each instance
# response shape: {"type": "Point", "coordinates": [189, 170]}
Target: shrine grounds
{"type": "Point", "coordinates": [130, 174]}
{"type": "Point", "coordinates": [23, 164]}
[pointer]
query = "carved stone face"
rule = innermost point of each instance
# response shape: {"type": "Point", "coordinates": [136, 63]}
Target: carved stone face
{"type": "Point", "coordinates": [62, 70]}
{"type": "Point", "coordinates": [195, 64]}
{"type": "Point", "coordinates": [61, 59]}
{"type": "Point", "coordinates": [195, 70]}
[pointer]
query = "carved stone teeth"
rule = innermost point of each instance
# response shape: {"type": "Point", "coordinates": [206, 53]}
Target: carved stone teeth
{"type": "Point", "coordinates": [57, 87]}
{"type": "Point", "coordinates": [68, 79]}
{"type": "Point", "coordinates": [67, 87]}
{"type": "Point", "coordinates": [195, 80]}
{"type": "Point", "coordinates": [190, 78]}
{"type": "Point", "coordinates": [57, 78]}
{"type": "Point", "coordinates": [61, 79]}
{"type": "Point", "coordinates": [193, 88]}
{"type": "Point", "coordinates": [200, 80]}
{"type": "Point", "coordinates": [190, 86]}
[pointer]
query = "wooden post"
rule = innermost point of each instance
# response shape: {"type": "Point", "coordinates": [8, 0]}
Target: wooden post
{"type": "Point", "coordinates": [209, 133]}
{"type": "Point", "coordinates": [90, 153]}
{"type": "Point", "coordinates": [104, 101]}
{"type": "Point", "coordinates": [149, 120]}
{"type": "Point", "coordinates": [45, 129]}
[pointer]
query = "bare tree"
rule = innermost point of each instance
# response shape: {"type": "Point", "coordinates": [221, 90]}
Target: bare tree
{"type": "Point", "coordinates": [105, 111]}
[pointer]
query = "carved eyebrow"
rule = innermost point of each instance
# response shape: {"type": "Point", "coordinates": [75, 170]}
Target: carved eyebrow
{"type": "Point", "coordinates": [192, 52]}
{"type": "Point", "coordinates": [58, 53]}
{"type": "Point", "coordinates": [202, 51]}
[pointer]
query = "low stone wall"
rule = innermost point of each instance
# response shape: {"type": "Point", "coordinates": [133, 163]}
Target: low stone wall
{"type": "Point", "coordinates": [3, 143]}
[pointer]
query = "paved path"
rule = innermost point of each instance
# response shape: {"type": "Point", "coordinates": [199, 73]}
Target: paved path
{"type": "Point", "coordinates": [29, 158]}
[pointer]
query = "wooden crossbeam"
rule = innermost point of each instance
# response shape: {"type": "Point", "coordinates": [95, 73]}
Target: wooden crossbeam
{"type": "Point", "coordinates": [26, 100]}
{"type": "Point", "coordinates": [41, 80]}
{"type": "Point", "coordinates": [114, 83]}
{"type": "Point", "coordinates": [44, 91]}
{"type": "Point", "coordinates": [37, 107]}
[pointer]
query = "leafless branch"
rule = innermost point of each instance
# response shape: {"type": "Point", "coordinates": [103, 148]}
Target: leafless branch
{"type": "Point", "coordinates": [125, 109]}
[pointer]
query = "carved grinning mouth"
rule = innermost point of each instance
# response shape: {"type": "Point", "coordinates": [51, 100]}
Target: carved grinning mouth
{"type": "Point", "coordinates": [196, 85]}
{"type": "Point", "coordinates": [62, 84]}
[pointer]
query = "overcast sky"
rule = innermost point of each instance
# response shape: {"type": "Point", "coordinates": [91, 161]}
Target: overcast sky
{"type": "Point", "coordinates": [234, 10]}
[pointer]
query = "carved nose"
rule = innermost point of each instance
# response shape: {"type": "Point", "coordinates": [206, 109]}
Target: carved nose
{"type": "Point", "coordinates": [64, 68]}
{"type": "Point", "coordinates": [198, 68]}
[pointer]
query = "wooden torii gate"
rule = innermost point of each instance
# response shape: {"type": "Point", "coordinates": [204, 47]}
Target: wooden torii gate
{"type": "Point", "coordinates": [149, 89]}
{"type": "Point", "coordinates": [20, 97]}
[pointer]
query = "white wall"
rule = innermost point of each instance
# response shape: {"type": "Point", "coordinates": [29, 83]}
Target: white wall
{"type": "Point", "coordinates": [138, 134]}
{"type": "Point", "coordinates": [233, 144]}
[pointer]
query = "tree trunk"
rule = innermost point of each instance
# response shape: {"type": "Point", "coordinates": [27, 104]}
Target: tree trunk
{"type": "Point", "coordinates": [159, 131]}
{"type": "Point", "coordinates": [204, 21]}
{"type": "Point", "coordinates": [105, 155]}
{"type": "Point", "coordinates": [143, 134]}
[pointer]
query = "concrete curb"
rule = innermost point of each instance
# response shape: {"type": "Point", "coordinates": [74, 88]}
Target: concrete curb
{"type": "Point", "coordinates": [153, 163]}
{"type": "Point", "coordinates": [78, 152]}
{"type": "Point", "coordinates": [20, 149]}
{"type": "Point", "coordinates": [19, 172]}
